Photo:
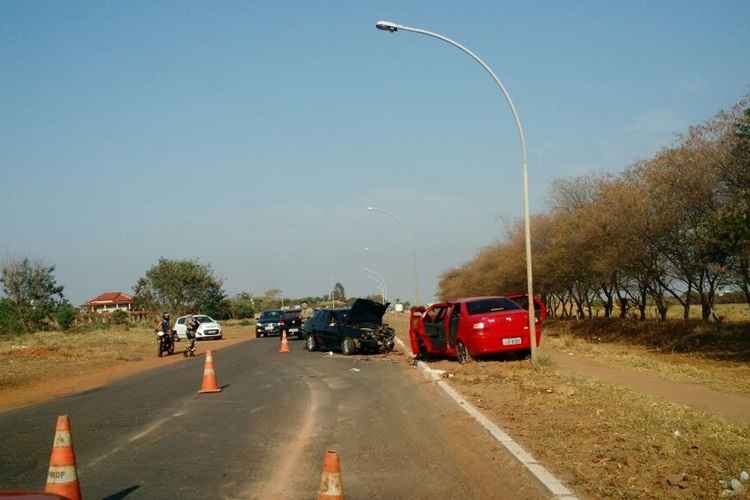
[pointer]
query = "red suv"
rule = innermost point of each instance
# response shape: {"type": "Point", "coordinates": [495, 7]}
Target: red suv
{"type": "Point", "coordinates": [472, 327]}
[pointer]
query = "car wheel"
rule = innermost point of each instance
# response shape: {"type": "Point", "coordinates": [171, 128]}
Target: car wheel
{"type": "Point", "coordinates": [463, 354]}
{"type": "Point", "coordinates": [310, 343]}
{"type": "Point", "coordinates": [347, 346]}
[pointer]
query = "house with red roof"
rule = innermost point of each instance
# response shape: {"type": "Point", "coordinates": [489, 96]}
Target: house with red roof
{"type": "Point", "coordinates": [109, 302]}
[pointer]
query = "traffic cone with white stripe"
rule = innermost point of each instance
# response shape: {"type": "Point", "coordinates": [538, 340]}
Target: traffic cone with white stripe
{"type": "Point", "coordinates": [209, 376]}
{"type": "Point", "coordinates": [330, 480]}
{"type": "Point", "coordinates": [284, 347]}
{"type": "Point", "coordinates": [62, 478]}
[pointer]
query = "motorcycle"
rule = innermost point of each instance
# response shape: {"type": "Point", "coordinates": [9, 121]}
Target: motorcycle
{"type": "Point", "coordinates": [165, 343]}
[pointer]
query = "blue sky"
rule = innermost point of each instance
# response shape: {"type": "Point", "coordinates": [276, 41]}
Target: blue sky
{"type": "Point", "coordinates": [253, 135]}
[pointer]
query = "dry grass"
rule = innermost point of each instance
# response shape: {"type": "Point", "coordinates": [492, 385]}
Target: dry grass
{"type": "Point", "coordinates": [707, 354]}
{"type": "Point", "coordinates": [727, 312]}
{"type": "Point", "coordinates": [607, 441]}
{"type": "Point", "coordinates": [36, 357]}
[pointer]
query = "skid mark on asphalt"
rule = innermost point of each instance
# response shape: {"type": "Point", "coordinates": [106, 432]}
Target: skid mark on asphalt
{"type": "Point", "coordinates": [289, 456]}
{"type": "Point", "coordinates": [145, 432]}
{"type": "Point", "coordinates": [151, 428]}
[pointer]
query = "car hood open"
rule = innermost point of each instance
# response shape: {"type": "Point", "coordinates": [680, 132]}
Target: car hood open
{"type": "Point", "coordinates": [367, 311]}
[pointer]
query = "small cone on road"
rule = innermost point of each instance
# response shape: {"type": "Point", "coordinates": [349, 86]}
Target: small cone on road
{"type": "Point", "coordinates": [62, 478]}
{"type": "Point", "coordinates": [209, 376]}
{"type": "Point", "coordinates": [330, 480]}
{"type": "Point", "coordinates": [284, 342]}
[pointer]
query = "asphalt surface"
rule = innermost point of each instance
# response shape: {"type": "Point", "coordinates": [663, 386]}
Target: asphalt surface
{"type": "Point", "coordinates": [264, 436]}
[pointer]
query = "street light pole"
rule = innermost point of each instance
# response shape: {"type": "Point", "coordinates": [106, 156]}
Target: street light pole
{"type": "Point", "coordinates": [380, 280]}
{"type": "Point", "coordinates": [376, 276]}
{"type": "Point", "coordinates": [392, 28]}
{"type": "Point", "coordinates": [417, 297]}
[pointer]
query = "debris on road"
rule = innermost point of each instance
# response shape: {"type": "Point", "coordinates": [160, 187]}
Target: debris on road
{"type": "Point", "coordinates": [355, 370]}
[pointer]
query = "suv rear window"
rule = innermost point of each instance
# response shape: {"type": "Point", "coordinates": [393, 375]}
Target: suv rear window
{"type": "Point", "coordinates": [495, 304]}
{"type": "Point", "coordinates": [270, 315]}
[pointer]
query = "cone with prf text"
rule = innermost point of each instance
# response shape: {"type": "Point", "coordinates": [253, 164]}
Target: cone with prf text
{"type": "Point", "coordinates": [330, 480]}
{"type": "Point", "coordinates": [284, 342]}
{"type": "Point", "coordinates": [209, 376]}
{"type": "Point", "coordinates": [62, 478]}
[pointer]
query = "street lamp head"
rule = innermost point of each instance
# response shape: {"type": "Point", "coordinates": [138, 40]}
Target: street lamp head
{"type": "Point", "coordinates": [387, 26]}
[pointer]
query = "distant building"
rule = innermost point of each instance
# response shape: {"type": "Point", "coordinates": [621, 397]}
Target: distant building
{"type": "Point", "coordinates": [109, 302]}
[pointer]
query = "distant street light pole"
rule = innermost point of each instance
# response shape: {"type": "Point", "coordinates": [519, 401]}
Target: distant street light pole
{"type": "Point", "coordinates": [417, 298]}
{"type": "Point", "coordinates": [376, 276]}
{"type": "Point", "coordinates": [392, 28]}
{"type": "Point", "coordinates": [380, 280]}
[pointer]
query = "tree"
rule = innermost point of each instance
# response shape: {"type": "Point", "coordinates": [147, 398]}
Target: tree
{"type": "Point", "coordinates": [33, 291]}
{"type": "Point", "coordinates": [10, 320]}
{"type": "Point", "coordinates": [66, 314]}
{"type": "Point", "coordinates": [243, 306]}
{"type": "Point", "coordinates": [180, 286]}
{"type": "Point", "coordinates": [338, 292]}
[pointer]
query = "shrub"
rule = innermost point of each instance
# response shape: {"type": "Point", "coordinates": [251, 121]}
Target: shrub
{"type": "Point", "coordinates": [245, 322]}
{"type": "Point", "coordinates": [10, 320]}
{"type": "Point", "coordinates": [65, 315]}
{"type": "Point", "coordinates": [119, 317]}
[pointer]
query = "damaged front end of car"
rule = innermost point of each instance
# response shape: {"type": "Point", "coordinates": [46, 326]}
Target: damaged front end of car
{"type": "Point", "coordinates": [379, 339]}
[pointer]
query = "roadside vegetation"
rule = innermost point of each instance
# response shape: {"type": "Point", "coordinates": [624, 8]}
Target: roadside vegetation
{"type": "Point", "coordinates": [607, 441]}
{"type": "Point", "coordinates": [668, 233]}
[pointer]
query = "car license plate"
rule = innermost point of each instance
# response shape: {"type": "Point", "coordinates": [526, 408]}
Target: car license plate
{"type": "Point", "coordinates": [512, 341]}
{"type": "Point", "coordinates": [293, 330]}
{"type": "Point", "coordinates": [269, 327]}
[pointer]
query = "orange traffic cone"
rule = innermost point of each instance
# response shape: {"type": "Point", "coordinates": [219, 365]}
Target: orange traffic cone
{"type": "Point", "coordinates": [209, 376]}
{"type": "Point", "coordinates": [62, 478]}
{"type": "Point", "coordinates": [330, 480]}
{"type": "Point", "coordinates": [284, 342]}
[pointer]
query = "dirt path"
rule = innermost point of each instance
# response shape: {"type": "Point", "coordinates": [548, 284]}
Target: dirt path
{"type": "Point", "coordinates": [734, 407]}
{"type": "Point", "coordinates": [40, 391]}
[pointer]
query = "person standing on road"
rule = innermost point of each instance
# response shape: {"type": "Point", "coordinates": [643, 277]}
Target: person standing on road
{"type": "Point", "coordinates": [192, 329]}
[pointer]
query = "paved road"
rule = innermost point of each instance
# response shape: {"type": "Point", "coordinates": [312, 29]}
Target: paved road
{"type": "Point", "coordinates": [264, 436]}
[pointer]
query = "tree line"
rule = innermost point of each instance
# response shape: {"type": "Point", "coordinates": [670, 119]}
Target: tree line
{"type": "Point", "coordinates": [33, 300]}
{"type": "Point", "coordinates": [673, 229]}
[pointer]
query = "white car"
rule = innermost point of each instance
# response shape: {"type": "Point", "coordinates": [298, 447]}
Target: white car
{"type": "Point", "coordinates": [209, 328]}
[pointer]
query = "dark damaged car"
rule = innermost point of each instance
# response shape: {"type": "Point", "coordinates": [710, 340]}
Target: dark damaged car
{"type": "Point", "coordinates": [359, 329]}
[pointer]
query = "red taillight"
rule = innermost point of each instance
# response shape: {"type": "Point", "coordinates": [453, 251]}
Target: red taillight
{"type": "Point", "coordinates": [479, 326]}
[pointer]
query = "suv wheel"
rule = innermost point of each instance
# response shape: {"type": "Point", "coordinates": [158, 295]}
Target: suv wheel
{"type": "Point", "coordinates": [347, 346]}
{"type": "Point", "coordinates": [310, 343]}
{"type": "Point", "coordinates": [463, 354]}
